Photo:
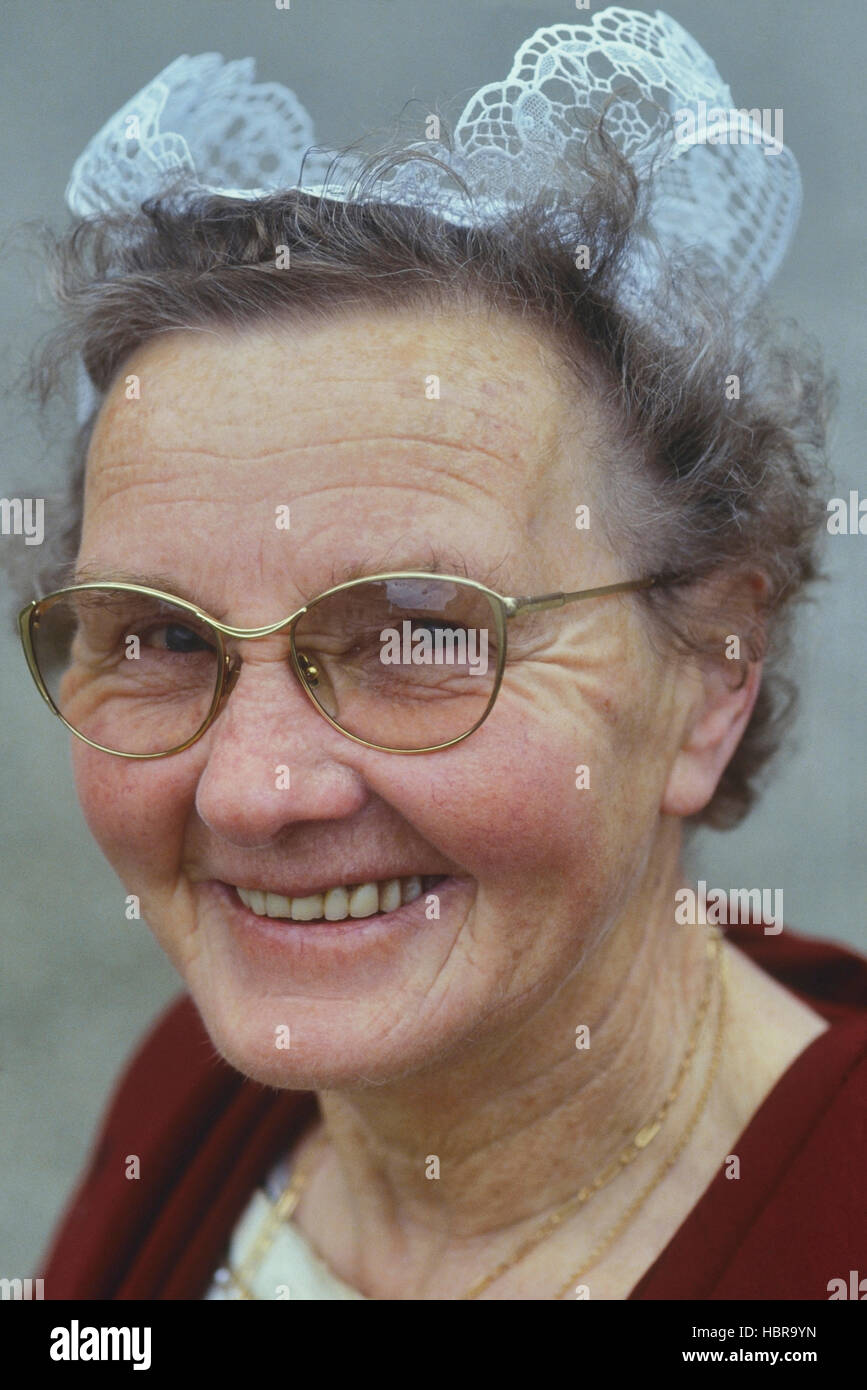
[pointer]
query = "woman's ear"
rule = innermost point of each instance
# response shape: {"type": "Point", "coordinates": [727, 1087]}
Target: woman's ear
{"type": "Point", "coordinates": [724, 695]}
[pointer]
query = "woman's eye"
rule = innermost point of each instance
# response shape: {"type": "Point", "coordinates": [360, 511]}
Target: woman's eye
{"type": "Point", "coordinates": [175, 637]}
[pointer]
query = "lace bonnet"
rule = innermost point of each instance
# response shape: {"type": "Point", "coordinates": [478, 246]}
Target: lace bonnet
{"type": "Point", "coordinates": [717, 178]}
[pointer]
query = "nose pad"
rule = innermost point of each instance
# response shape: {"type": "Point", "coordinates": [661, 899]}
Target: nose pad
{"type": "Point", "coordinates": [311, 674]}
{"type": "Point", "coordinates": [233, 671]}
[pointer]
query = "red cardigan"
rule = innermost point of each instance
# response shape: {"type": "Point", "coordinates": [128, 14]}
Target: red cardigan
{"type": "Point", "coordinates": [206, 1136]}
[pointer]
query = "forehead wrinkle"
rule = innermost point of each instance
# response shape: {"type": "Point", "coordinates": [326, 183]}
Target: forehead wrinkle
{"type": "Point", "coordinates": [522, 460]}
{"type": "Point", "coordinates": [426, 555]}
{"type": "Point", "coordinates": [450, 491]}
{"type": "Point", "coordinates": [452, 485]}
{"type": "Point", "coordinates": [446, 419]}
{"type": "Point", "coordinates": [455, 423]}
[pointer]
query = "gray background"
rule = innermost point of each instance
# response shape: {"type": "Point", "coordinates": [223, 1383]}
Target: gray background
{"type": "Point", "coordinates": [80, 983]}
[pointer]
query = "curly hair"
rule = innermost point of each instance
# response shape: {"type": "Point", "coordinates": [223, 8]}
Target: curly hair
{"type": "Point", "coordinates": [703, 481]}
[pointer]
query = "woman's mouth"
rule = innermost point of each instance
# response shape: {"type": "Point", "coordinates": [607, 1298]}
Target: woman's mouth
{"type": "Point", "coordinates": [372, 924]}
{"type": "Point", "coordinates": [340, 902]}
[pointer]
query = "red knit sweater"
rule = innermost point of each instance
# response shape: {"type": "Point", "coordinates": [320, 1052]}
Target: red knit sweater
{"type": "Point", "coordinates": [206, 1137]}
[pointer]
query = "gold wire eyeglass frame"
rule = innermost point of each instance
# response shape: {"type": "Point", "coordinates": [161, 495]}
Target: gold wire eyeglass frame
{"type": "Point", "coordinates": [504, 608]}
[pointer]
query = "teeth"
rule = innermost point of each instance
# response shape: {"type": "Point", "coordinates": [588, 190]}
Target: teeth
{"type": "Point", "coordinates": [364, 900]}
{"type": "Point", "coordinates": [337, 903]}
{"type": "Point", "coordinates": [307, 909]}
{"type": "Point", "coordinates": [277, 906]}
{"type": "Point", "coordinates": [411, 888]}
{"type": "Point", "coordinates": [389, 895]}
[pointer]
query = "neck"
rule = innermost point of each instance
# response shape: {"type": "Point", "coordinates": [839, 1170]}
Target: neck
{"type": "Point", "coordinates": [472, 1147]}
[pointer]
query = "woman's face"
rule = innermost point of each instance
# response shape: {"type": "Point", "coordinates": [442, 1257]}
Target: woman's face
{"type": "Point", "coordinates": [342, 424]}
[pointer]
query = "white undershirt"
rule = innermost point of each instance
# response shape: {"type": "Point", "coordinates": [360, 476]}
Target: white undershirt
{"type": "Point", "coordinates": [289, 1269]}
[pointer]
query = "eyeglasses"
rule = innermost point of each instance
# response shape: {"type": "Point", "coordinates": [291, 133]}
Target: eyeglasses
{"type": "Point", "coordinates": [405, 662]}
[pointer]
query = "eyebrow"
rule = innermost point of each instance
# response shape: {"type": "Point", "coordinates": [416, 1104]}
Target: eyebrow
{"type": "Point", "coordinates": [434, 561]}
{"type": "Point", "coordinates": [168, 584]}
{"type": "Point", "coordinates": [441, 561]}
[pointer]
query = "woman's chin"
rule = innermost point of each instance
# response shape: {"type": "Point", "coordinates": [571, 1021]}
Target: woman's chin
{"type": "Point", "coordinates": [311, 1054]}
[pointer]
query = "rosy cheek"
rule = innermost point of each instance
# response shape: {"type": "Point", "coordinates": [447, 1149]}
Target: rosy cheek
{"type": "Point", "coordinates": [509, 809]}
{"type": "Point", "coordinates": [134, 811]}
{"type": "Point", "coordinates": [539, 809]}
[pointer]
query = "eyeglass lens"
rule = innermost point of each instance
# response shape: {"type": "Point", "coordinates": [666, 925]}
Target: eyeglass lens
{"type": "Point", "coordinates": [403, 663]}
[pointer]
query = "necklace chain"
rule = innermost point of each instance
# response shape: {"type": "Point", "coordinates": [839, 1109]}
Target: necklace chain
{"type": "Point", "coordinates": [638, 1202]}
{"type": "Point", "coordinates": [637, 1144]}
{"type": "Point", "coordinates": [285, 1206]}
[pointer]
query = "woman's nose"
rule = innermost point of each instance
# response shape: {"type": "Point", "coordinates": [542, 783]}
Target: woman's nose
{"type": "Point", "coordinates": [272, 760]}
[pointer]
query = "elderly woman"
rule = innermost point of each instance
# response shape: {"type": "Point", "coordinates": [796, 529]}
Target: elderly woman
{"type": "Point", "coordinates": [434, 554]}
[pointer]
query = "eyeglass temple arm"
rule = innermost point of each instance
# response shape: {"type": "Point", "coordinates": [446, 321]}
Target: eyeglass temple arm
{"type": "Point", "coordinates": [535, 605]}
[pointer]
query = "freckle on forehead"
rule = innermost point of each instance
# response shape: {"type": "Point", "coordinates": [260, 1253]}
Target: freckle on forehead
{"type": "Point", "coordinates": [246, 380]}
{"type": "Point", "coordinates": [343, 409]}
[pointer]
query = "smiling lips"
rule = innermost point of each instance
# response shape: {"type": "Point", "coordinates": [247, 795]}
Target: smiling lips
{"type": "Point", "coordinates": [341, 902]}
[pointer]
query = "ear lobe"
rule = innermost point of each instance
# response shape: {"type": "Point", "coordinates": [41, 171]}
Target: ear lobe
{"type": "Point", "coordinates": [719, 717]}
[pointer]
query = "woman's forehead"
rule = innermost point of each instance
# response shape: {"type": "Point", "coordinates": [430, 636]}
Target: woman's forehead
{"type": "Point", "coordinates": [295, 470]}
{"type": "Point", "coordinates": [403, 411]}
{"type": "Point", "coordinates": [434, 366]}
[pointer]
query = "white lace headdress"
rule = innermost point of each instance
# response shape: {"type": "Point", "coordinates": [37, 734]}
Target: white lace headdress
{"type": "Point", "coordinates": [717, 178]}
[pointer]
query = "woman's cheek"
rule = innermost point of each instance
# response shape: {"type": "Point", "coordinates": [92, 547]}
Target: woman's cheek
{"type": "Point", "coordinates": [134, 811]}
{"type": "Point", "coordinates": [508, 803]}
{"type": "Point", "coordinates": [549, 806]}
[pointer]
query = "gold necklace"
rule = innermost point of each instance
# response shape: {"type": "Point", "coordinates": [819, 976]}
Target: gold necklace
{"type": "Point", "coordinates": [634, 1207]}
{"type": "Point", "coordinates": [281, 1210]}
{"type": "Point", "coordinates": [636, 1146]}
{"type": "Point", "coordinates": [285, 1206]}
